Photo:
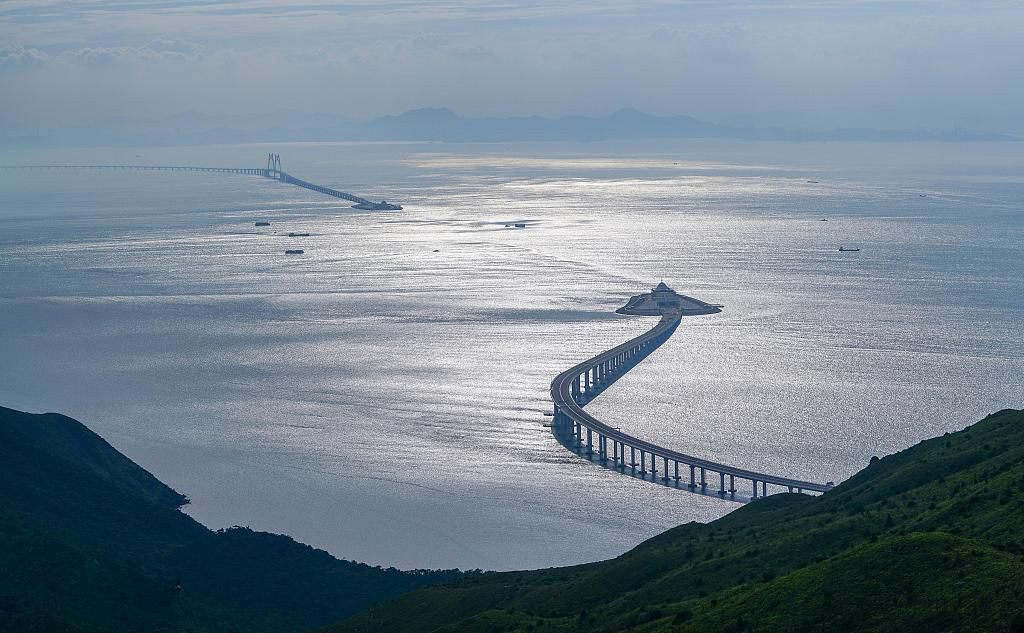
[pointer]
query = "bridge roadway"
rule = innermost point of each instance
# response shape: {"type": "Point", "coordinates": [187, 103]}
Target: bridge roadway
{"type": "Point", "coordinates": [578, 385]}
{"type": "Point", "coordinates": [273, 171]}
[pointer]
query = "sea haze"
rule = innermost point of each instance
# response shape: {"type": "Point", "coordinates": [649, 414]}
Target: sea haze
{"type": "Point", "coordinates": [383, 395]}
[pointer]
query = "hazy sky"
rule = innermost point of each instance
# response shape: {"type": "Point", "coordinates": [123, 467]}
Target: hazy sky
{"type": "Point", "coordinates": [922, 63]}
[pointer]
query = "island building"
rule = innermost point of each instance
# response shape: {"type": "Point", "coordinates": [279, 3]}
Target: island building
{"type": "Point", "coordinates": [662, 300]}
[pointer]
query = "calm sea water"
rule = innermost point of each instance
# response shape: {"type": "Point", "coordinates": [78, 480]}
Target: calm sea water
{"type": "Point", "coordinates": [382, 396]}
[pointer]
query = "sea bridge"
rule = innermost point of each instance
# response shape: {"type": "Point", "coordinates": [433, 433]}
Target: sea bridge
{"type": "Point", "coordinates": [589, 437]}
{"type": "Point", "coordinates": [272, 170]}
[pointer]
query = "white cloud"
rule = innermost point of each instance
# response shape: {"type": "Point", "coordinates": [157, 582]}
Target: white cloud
{"type": "Point", "coordinates": [943, 60]}
{"type": "Point", "coordinates": [20, 58]}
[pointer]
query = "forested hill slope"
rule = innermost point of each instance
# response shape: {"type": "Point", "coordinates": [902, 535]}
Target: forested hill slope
{"type": "Point", "coordinates": [929, 539]}
{"type": "Point", "coordinates": [89, 541]}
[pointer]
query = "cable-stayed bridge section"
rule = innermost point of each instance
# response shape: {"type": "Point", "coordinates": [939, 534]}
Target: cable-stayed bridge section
{"type": "Point", "coordinates": [597, 441]}
{"type": "Point", "coordinates": [272, 170]}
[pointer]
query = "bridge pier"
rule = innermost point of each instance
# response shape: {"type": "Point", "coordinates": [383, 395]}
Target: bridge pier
{"type": "Point", "coordinates": [572, 389]}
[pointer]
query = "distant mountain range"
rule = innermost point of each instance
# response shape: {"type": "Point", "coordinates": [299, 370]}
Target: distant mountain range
{"type": "Point", "coordinates": [438, 124]}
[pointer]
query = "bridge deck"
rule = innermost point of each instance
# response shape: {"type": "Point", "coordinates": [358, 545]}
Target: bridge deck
{"type": "Point", "coordinates": [274, 173]}
{"type": "Point", "coordinates": [566, 404]}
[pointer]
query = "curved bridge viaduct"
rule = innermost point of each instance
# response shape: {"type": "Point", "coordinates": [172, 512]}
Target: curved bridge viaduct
{"type": "Point", "coordinates": [588, 436]}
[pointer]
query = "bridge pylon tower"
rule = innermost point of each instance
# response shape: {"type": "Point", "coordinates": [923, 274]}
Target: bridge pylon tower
{"type": "Point", "coordinates": [274, 165]}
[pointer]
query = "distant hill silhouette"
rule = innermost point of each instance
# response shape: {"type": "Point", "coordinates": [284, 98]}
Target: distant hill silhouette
{"type": "Point", "coordinates": [441, 124]}
{"type": "Point", "coordinates": [89, 542]}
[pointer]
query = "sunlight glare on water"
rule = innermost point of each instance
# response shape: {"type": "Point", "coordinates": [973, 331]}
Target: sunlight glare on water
{"type": "Point", "coordinates": [382, 395]}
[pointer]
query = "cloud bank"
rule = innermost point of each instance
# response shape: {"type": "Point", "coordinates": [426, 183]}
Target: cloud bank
{"type": "Point", "coordinates": [824, 63]}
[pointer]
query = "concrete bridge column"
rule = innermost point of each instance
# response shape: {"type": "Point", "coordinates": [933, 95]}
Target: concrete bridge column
{"type": "Point", "coordinates": [677, 473]}
{"type": "Point", "coordinates": [732, 485]}
{"type": "Point", "coordinates": [721, 487]}
{"type": "Point", "coordinates": [590, 442]}
{"type": "Point", "coordinates": [665, 469]}
{"type": "Point", "coordinates": [755, 488]}
{"type": "Point", "coordinates": [632, 459]}
{"type": "Point", "coordinates": [643, 467]}
{"type": "Point", "coordinates": [586, 382]}
{"type": "Point", "coordinates": [654, 466]}
{"type": "Point", "coordinates": [579, 432]}
{"type": "Point", "coordinates": [692, 484]}
{"type": "Point", "coordinates": [703, 481]}
{"type": "Point", "coordinates": [790, 488]}
{"type": "Point", "coordinates": [764, 488]}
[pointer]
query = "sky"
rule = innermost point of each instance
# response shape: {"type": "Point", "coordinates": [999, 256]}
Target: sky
{"type": "Point", "coordinates": [823, 63]}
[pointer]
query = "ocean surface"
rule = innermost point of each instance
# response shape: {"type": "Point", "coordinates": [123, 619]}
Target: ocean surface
{"type": "Point", "coordinates": [383, 395]}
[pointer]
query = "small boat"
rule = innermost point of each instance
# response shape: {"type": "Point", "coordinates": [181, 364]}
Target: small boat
{"type": "Point", "coordinates": [294, 251]}
{"type": "Point", "coordinates": [843, 249]}
{"type": "Point", "coordinates": [383, 205]}
{"type": "Point", "coordinates": [520, 225]}
{"type": "Point", "coordinates": [263, 224]}
{"type": "Point", "coordinates": [813, 182]}
{"type": "Point", "coordinates": [298, 235]}
{"type": "Point", "coordinates": [824, 219]}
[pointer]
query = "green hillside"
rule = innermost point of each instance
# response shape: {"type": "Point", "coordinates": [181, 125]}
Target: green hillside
{"type": "Point", "coordinates": [929, 539]}
{"type": "Point", "coordinates": [89, 541]}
